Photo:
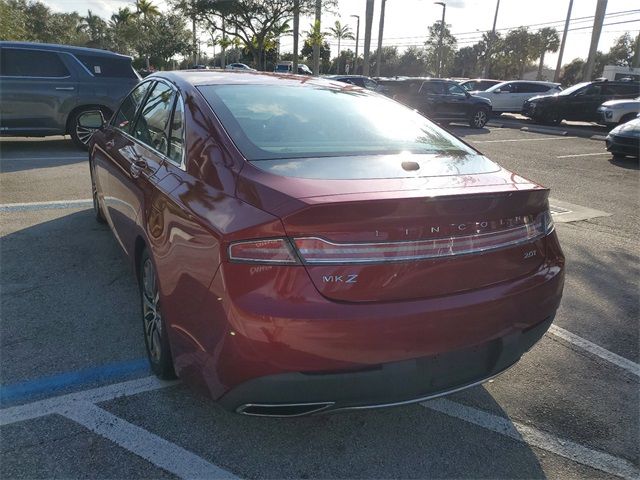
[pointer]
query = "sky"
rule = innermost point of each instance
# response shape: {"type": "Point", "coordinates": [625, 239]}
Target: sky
{"type": "Point", "coordinates": [406, 21]}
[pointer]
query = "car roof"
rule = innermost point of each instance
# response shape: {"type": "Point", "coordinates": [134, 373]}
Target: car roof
{"type": "Point", "coordinates": [234, 77]}
{"type": "Point", "coordinates": [62, 48]}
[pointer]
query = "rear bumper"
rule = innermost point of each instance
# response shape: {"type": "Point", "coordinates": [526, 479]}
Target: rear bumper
{"type": "Point", "coordinates": [623, 145]}
{"type": "Point", "coordinates": [383, 385]}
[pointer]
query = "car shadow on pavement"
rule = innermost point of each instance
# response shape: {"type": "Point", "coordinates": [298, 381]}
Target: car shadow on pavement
{"type": "Point", "coordinates": [413, 441]}
{"type": "Point", "coordinates": [627, 163]}
{"type": "Point", "coordinates": [68, 299]}
{"type": "Point", "coordinates": [19, 153]}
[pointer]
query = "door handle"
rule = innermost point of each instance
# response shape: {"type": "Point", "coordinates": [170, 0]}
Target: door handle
{"type": "Point", "coordinates": [64, 88]}
{"type": "Point", "coordinates": [137, 166]}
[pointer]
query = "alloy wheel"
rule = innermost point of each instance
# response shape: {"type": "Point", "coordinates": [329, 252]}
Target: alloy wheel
{"type": "Point", "coordinates": [84, 134]}
{"type": "Point", "coordinates": [151, 311]}
{"type": "Point", "coordinates": [479, 119]}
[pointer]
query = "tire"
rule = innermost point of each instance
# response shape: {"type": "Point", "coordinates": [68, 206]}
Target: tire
{"type": "Point", "coordinates": [97, 210]}
{"type": "Point", "coordinates": [551, 118]}
{"type": "Point", "coordinates": [156, 341]}
{"type": "Point", "coordinates": [82, 135]}
{"type": "Point", "coordinates": [479, 118]}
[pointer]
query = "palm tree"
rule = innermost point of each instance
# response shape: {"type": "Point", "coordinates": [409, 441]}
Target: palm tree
{"type": "Point", "coordinates": [339, 31]}
{"type": "Point", "coordinates": [547, 40]}
{"type": "Point", "coordinates": [146, 8]}
{"type": "Point", "coordinates": [93, 25]}
{"type": "Point", "coordinates": [123, 17]}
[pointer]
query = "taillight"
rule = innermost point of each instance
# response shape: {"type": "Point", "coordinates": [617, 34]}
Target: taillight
{"type": "Point", "coordinates": [272, 251]}
{"type": "Point", "coordinates": [320, 251]}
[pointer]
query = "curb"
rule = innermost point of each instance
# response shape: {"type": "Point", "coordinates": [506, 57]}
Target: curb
{"type": "Point", "coordinates": [575, 132]}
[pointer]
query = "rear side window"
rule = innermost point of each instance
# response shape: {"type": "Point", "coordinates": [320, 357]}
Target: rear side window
{"type": "Point", "coordinates": [151, 127]}
{"type": "Point", "coordinates": [16, 62]}
{"type": "Point", "coordinates": [176, 133]}
{"type": "Point", "coordinates": [104, 66]}
{"type": "Point", "coordinates": [533, 88]}
{"type": "Point", "coordinates": [631, 89]}
{"type": "Point", "coordinates": [126, 114]}
{"type": "Point", "coordinates": [432, 88]}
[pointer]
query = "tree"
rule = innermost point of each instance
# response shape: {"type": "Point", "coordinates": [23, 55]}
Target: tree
{"type": "Point", "coordinates": [622, 51]}
{"type": "Point", "coordinates": [436, 52]}
{"type": "Point", "coordinates": [546, 40]}
{"type": "Point", "coordinates": [167, 36]}
{"type": "Point", "coordinates": [413, 62]}
{"type": "Point", "coordinates": [325, 53]}
{"type": "Point", "coordinates": [146, 9]}
{"type": "Point", "coordinates": [389, 61]}
{"type": "Point", "coordinates": [465, 62]}
{"type": "Point", "coordinates": [572, 72]}
{"type": "Point", "coordinates": [95, 27]}
{"type": "Point", "coordinates": [518, 48]}
{"type": "Point", "coordinates": [12, 20]}
{"type": "Point", "coordinates": [339, 31]}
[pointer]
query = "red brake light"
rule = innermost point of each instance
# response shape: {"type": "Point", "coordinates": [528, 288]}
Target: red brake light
{"type": "Point", "coordinates": [273, 250]}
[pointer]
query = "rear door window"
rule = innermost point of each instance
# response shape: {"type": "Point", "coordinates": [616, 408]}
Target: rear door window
{"type": "Point", "coordinates": [176, 133]}
{"type": "Point", "coordinates": [106, 66]}
{"type": "Point", "coordinates": [432, 88]}
{"type": "Point", "coordinates": [152, 123]}
{"type": "Point", "coordinates": [126, 114]}
{"type": "Point", "coordinates": [18, 62]}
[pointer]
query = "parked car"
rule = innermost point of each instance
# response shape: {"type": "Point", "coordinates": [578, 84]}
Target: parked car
{"type": "Point", "coordinates": [45, 88]}
{"type": "Point", "coordinates": [240, 67]}
{"type": "Point", "coordinates": [624, 140]}
{"type": "Point", "coordinates": [478, 84]}
{"type": "Point", "coordinates": [441, 100]}
{"type": "Point", "coordinates": [287, 67]}
{"type": "Point", "coordinates": [579, 102]}
{"type": "Point", "coordinates": [615, 112]}
{"type": "Point", "coordinates": [359, 80]}
{"type": "Point", "coordinates": [510, 96]}
{"type": "Point", "coordinates": [299, 248]}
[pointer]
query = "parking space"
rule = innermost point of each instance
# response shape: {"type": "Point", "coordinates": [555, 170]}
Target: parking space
{"type": "Point", "coordinates": [78, 401]}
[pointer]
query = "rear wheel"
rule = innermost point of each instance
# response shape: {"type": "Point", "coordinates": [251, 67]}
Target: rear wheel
{"type": "Point", "coordinates": [479, 118]}
{"type": "Point", "coordinates": [551, 118]}
{"type": "Point", "coordinates": [155, 332]}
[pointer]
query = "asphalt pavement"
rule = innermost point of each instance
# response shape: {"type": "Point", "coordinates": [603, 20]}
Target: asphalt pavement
{"type": "Point", "coordinates": [77, 400]}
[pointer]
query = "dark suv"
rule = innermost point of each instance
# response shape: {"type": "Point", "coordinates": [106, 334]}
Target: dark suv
{"type": "Point", "coordinates": [442, 100]}
{"type": "Point", "coordinates": [45, 88]}
{"type": "Point", "coordinates": [579, 102]}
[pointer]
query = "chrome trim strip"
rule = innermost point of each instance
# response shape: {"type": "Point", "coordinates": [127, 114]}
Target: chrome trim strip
{"type": "Point", "coordinates": [323, 406]}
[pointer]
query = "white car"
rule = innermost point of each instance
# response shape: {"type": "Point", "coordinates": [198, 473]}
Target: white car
{"type": "Point", "coordinates": [614, 112]}
{"type": "Point", "coordinates": [510, 96]}
{"type": "Point", "coordinates": [240, 67]}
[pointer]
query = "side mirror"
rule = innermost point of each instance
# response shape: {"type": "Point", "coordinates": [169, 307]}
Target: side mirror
{"type": "Point", "coordinates": [93, 120]}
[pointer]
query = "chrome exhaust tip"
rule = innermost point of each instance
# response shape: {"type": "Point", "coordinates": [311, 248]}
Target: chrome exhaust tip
{"type": "Point", "coordinates": [282, 409]}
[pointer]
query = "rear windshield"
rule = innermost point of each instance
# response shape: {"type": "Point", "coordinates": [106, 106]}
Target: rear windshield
{"type": "Point", "coordinates": [278, 121]}
{"type": "Point", "coordinates": [104, 66]}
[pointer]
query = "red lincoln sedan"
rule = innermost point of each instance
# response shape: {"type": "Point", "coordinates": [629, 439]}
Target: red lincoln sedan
{"type": "Point", "coordinates": [306, 246]}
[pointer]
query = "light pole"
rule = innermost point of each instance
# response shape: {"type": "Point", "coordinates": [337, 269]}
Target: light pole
{"type": "Point", "coordinates": [355, 60]}
{"type": "Point", "coordinates": [490, 41]}
{"type": "Point", "coordinates": [380, 31]}
{"type": "Point", "coordinates": [439, 66]}
{"type": "Point", "coordinates": [556, 75]}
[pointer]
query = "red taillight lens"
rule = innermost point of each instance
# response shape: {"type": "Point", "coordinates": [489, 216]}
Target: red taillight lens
{"type": "Point", "coordinates": [273, 251]}
{"type": "Point", "coordinates": [319, 251]}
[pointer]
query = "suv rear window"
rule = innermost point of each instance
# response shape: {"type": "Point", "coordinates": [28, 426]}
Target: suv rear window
{"type": "Point", "coordinates": [18, 62]}
{"type": "Point", "coordinates": [104, 66]}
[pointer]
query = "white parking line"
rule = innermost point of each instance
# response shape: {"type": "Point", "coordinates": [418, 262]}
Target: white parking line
{"type": "Point", "coordinates": [524, 140]}
{"type": "Point", "coordinates": [594, 349]}
{"type": "Point", "coordinates": [149, 446]}
{"type": "Point", "coordinates": [583, 155]}
{"type": "Point", "coordinates": [52, 405]}
{"type": "Point", "coordinates": [35, 159]}
{"type": "Point", "coordinates": [50, 205]}
{"type": "Point", "coordinates": [536, 438]}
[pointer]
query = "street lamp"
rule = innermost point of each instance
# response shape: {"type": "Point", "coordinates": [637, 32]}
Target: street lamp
{"type": "Point", "coordinates": [439, 66]}
{"type": "Point", "coordinates": [355, 61]}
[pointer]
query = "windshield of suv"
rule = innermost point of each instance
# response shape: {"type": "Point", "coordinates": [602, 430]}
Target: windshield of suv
{"type": "Point", "coordinates": [574, 88]}
{"type": "Point", "coordinates": [280, 121]}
